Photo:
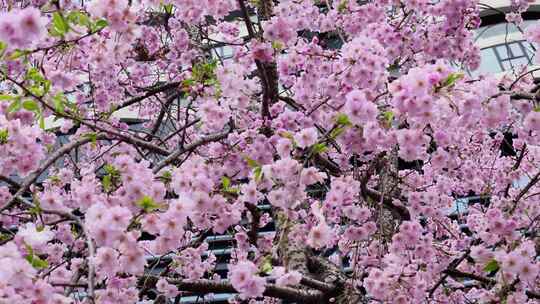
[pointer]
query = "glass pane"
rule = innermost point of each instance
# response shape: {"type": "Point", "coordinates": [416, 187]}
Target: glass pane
{"type": "Point", "coordinates": [227, 52]}
{"type": "Point", "coordinates": [503, 51]}
{"type": "Point", "coordinates": [488, 63]}
{"type": "Point", "coordinates": [516, 49]}
{"type": "Point", "coordinates": [528, 49]}
{"type": "Point", "coordinates": [518, 62]}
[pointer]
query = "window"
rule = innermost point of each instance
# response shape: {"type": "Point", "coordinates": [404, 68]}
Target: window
{"type": "Point", "coordinates": [505, 57]}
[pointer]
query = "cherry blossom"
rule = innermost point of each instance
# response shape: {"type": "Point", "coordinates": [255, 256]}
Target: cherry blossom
{"type": "Point", "coordinates": [270, 151]}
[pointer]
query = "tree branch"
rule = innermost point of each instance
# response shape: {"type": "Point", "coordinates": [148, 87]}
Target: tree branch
{"type": "Point", "coordinates": [208, 286]}
{"type": "Point", "coordinates": [201, 142]}
{"type": "Point", "coordinates": [32, 177]}
{"type": "Point", "coordinates": [524, 191]}
{"type": "Point", "coordinates": [151, 92]}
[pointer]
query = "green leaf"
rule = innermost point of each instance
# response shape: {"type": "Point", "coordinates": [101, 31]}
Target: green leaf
{"type": "Point", "coordinates": [286, 135]}
{"type": "Point", "coordinates": [319, 148]}
{"type": "Point", "coordinates": [6, 97]}
{"type": "Point", "coordinates": [342, 7]}
{"type": "Point", "coordinates": [276, 45]}
{"type": "Point", "coordinates": [59, 101]}
{"type": "Point", "coordinates": [55, 179]}
{"type": "Point", "coordinates": [266, 265]}
{"type": "Point", "coordinates": [41, 121]}
{"type": "Point", "coordinates": [3, 47]}
{"type": "Point", "coordinates": [336, 132]}
{"type": "Point", "coordinates": [451, 79]}
{"type": "Point", "coordinates": [166, 177]}
{"type": "Point", "coordinates": [225, 182]}
{"type": "Point", "coordinates": [60, 24]}
{"type": "Point", "coordinates": [110, 169]}
{"type": "Point", "coordinates": [30, 105]}
{"type": "Point", "coordinates": [147, 204]}
{"type": "Point", "coordinates": [40, 85]}
{"type": "Point", "coordinates": [4, 135]}
{"type": "Point", "coordinates": [204, 72]}
{"type": "Point", "coordinates": [92, 136]}
{"type": "Point", "coordinates": [251, 162]}
{"type": "Point", "coordinates": [491, 266]}
{"type": "Point", "coordinates": [388, 118]}
{"type": "Point", "coordinates": [388, 115]}
{"type": "Point", "coordinates": [188, 82]}
{"type": "Point", "coordinates": [34, 260]}
{"type": "Point", "coordinates": [343, 119]}
{"type": "Point", "coordinates": [112, 175]}
{"type": "Point", "coordinates": [17, 54]}
{"type": "Point", "coordinates": [34, 75]}
{"type": "Point", "coordinates": [99, 25]}
{"type": "Point", "coordinates": [107, 182]}
{"type": "Point", "coordinates": [54, 33]}
{"type": "Point", "coordinates": [79, 18]}
{"type": "Point", "coordinates": [14, 106]}
{"type": "Point", "coordinates": [257, 172]}
{"type": "Point", "coordinates": [168, 8]}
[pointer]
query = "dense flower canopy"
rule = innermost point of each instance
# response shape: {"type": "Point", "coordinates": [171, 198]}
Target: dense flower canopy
{"type": "Point", "coordinates": [347, 125]}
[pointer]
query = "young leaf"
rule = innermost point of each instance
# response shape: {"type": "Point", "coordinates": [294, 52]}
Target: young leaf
{"type": "Point", "coordinates": [166, 177]}
{"type": "Point", "coordinates": [147, 204]}
{"type": "Point", "coordinates": [452, 79]}
{"type": "Point", "coordinates": [30, 105]}
{"type": "Point", "coordinates": [336, 132]}
{"type": "Point", "coordinates": [168, 8]}
{"type": "Point", "coordinates": [107, 182]}
{"type": "Point", "coordinates": [251, 162]}
{"type": "Point", "coordinates": [17, 54]}
{"type": "Point", "coordinates": [491, 266]}
{"type": "Point", "coordinates": [319, 148]}
{"type": "Point", "coordinates": [92, 136]}
{"type": "Point", "coordinates": [99, 25]}
{"type": "Point", "coordinates": [110, 169]}
{"type": "Point", "coordinates": [4, 135]}
{"type": "Point", "coordinates": [3, 47]}
{"type": "Point", "coordinates": [59, 102]}
{"type": "Point", "coordinates": [79, 18]}
{"type": "Point", "coordinates": [60, 24]}
{"type": "Point", "coordinates": [34, 260]}
{"type": "Point", "coordinates": [257, 172]}
{"type": "Point", "coordinates": [276, 45]}
{"type": "Point", "coordinates": [4, 97]}
{"type": "Point", "coordinates": [226, 182]}
{"type": "Point", "coordinates": [16, 105]}
{"type": "Point", "coordinates": [343, 119]}
{"type": "Point", "coordinates": [266, 265]}
{"type": "Point", "coordinates": [41, 121]}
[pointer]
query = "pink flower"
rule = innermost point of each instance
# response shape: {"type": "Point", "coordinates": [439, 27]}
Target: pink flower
{"type": "Point", "coordinates": [244, 279]}
{"type": "Point", "coordinates": [306, 137]}
{"type": "Point", "coordinates": [22, 28]}
{"type": "Point", "coordinates": [166, 288]}
{"type": "Point", "coordinates": [289, 279]}
{"type": "Point", "coordinates": [278, 198]}
{"type": "Point", "coordinates": [359, 109]}
{"type": "Point", "coordinates": [319, 236]}
{"type": "Point", "coordinates": [279, 29]}
{"type": "Point", "coordinates": [284, 147]}
{"type": "Point", "coordinates": [33, 237]}
{"type": "Point", "coordinates": [310, 176]}
{"type": "Point", "coordinates": [532, 121]}
{"type": "Point", "coordinates": [31, 23]}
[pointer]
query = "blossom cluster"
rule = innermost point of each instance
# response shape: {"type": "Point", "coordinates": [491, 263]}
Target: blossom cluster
{"type": "Point", "coordinates": [22, 29]}
{"type": "Point", "coordinates": [294, 151]}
